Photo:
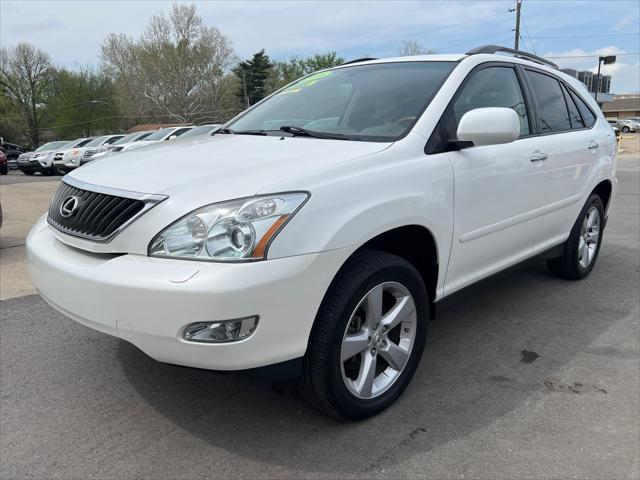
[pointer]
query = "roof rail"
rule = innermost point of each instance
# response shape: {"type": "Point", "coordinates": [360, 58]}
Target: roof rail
{"type": "Point", "coordinates": [358, 60]}
{"type": "Point", "coordinates": [516, 53]}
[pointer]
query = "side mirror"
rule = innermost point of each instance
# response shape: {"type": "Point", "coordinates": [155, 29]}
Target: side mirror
{"type": "Point", "coordinates": [489, 126]}
{"type": "Point", "coordinates": [172, 137]}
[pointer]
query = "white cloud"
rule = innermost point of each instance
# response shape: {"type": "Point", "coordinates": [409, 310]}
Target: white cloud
{"type": "Point", "coordinates": [626, 21]}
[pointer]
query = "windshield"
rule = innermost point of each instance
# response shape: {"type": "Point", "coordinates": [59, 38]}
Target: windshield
{"type": "Point", "coordinates": [378, 102]}
{"type": "Point", "coordinates": [160, 134]}
{"type": "Point", "coordinates": [203, 130]}
{"type": "Point", "coordinates": [52, 145]}
{"type": "Point", "coordinates": [96, 141]}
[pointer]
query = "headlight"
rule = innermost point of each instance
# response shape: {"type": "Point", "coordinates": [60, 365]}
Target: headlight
{"type": "Point", "coordinates": [238, 230]}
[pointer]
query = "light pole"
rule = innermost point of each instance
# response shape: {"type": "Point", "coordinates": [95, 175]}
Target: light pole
{"type": "Point", "coordinates": [607, 61]}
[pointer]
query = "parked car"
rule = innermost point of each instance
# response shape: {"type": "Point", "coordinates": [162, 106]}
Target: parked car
{"type": "Point", "coordinates": [73, 158]}
{"type": "Point", "coordinates": [13, 151]}
{"type": "Point", "coordinates": [122, 144]}
{"type": "Point", "coordinates": [103, 146]}
{"type": "Point", "coordinates": [170, 133]}
{"type": "Point", "coordinates": [625, 125]}
{"type": "Point", "coordinates": [313, 234]}
{"type": "Point", "coordinates": [41, 159]}
{"type": "Point", "coordinates": [73, 145]}
{"type": "Point", "coordinates": [200, 131]}
{"type": "Point", "coordinates": [4, 165]}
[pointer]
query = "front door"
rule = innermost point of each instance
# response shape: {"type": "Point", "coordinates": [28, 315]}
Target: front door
{"type": "Point", "coordinates": [499, 189]}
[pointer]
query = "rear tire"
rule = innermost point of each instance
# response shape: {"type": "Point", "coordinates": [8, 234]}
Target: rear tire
{"type": "Point", "coordinates": [582, 247]}
{"type": "Point", "coordinates": [335, 379]}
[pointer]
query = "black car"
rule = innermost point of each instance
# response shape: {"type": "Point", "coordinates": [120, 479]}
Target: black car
{"type": "Point", "coordinates": [13, 151]}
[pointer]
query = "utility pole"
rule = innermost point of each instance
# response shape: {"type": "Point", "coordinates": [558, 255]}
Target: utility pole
{"type": "Point", "coordinates": [517, 30]}
{"type": "Point", "coordinates": [244, 87]}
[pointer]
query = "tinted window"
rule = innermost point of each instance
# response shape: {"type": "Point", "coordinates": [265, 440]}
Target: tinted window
{"type": "Point", "coordinates": [552, 108]}
{"type": "Point", "coordinates": [177, 133]}
{"type": "Point", "coordinates": [587, 114]}
{"type": "Point", "coordinates": [493, 87]}
{"type": "Point", "coordinates": [574, 115]}
{"type": "Point", "coordinates": [112, 139]}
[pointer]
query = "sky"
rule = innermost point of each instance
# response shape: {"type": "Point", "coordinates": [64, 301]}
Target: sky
{"type": "Point", "coordinates": [72, 31]}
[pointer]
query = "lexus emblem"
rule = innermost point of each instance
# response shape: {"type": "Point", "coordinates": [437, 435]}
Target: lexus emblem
{"type": "Point", "coordinates": [69, 206]}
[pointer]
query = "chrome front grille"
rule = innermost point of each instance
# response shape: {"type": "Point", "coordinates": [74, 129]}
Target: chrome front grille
{"type": "Point", "coordinates": [96, 213]}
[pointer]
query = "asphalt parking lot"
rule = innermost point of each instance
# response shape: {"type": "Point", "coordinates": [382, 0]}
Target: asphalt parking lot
{"type": "Point", "coordinates": [523, 376]}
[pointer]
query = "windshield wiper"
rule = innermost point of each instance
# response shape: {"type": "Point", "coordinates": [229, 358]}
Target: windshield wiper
{"type": "Point", "coordinates": [299, 131]}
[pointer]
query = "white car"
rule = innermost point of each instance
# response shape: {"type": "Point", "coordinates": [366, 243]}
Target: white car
{"type": "Point", "coordinates": [75, 144]}
{"type": "Point", "coordinates": [73, 158]}
{"type": "Point", "coordinates": [41, 159]}
{"type": "Point", "coordinates": [122, 144]}
{"type": "Point", "coordinates": [200, 131]}
{"type": "Point", "coordinates": [170, 133]}
{"type": "Point", "coordinates": [312, 236]}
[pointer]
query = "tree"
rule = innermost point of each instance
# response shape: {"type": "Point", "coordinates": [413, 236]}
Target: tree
{"type": "Point", "coordinates": [253, 75]}
{"type": "Point", "coordinates": [287, 71]}
{"type": "Point", "coordinates": [175, 69]}
{"type": "Point", "coordinates": [83, 102]}
{"type": "Point", "coordinates": [411, 46]}
{"type": "Point", "coordinates": [25, 78]}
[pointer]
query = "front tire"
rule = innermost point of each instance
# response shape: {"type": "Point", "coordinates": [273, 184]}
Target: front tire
{"type": "Point", "coordinates": [583, 245]}
{"type": "Point", "coordinates": [368, 336]}
{"type": "Point", "coordinates": [626, 129]}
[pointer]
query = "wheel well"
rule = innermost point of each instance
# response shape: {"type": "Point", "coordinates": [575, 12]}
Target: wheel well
{"type": "Point", "coordinates": [416, 245]}
{"type": "Point", "coordinates": [603, 190]}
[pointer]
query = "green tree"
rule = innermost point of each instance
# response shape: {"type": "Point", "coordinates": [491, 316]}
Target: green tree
{"type": "Point", "coordinates": [252, 76]}
{"type": "Point", "coordinates": [82, 104]}
{"type": "Point", "coordinates": [287, 71]}
{"type": "Point", "coordinates": [25, 79]}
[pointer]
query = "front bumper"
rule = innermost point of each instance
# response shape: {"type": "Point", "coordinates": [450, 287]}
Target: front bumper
{"type": "Point", "coordinates": [34, 166]}
{"type": "Point", "coordinates": [68, 164]}
{"type": "Point", "coordinates": [148, 301]}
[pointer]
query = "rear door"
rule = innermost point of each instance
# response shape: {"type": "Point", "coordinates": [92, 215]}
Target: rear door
{"type": "Point", "coordinates": [569, 147]}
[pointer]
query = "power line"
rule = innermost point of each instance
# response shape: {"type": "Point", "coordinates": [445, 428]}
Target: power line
{"type": "Point", "coordinates": [586, 36]}
{"type": "Point", "coordinates": [592, 56]}
{"type": "Point", "coordinates": [111, 117]}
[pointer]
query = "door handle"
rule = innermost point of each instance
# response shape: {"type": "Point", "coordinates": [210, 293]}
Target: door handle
{"type": "Point", "coordinates": [593, 145]}
{"type": "Point", "coordinates": [538, 157]}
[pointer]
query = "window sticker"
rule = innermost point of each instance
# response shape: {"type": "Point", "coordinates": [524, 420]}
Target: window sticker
{"type": "Point", "coordinates": [305, 82]}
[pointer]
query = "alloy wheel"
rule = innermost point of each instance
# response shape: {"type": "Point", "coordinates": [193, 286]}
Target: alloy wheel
{"type": "Point", "coordinates": [589, 236]}
{"type": "Point", "coordinates": [378, 340]}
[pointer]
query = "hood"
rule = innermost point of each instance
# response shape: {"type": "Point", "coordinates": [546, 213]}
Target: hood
{"type": "Point", "coordinates": [223, 166]}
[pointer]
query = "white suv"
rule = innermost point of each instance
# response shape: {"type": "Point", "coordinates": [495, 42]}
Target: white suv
{"type": "Point", "coordinates": [312, 236]}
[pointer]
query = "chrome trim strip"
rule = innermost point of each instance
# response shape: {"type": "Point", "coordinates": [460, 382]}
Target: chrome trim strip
{"type": "Point", "coordinates": [145, 197]}
{"type": "Point", "coordinates": [150, 201]}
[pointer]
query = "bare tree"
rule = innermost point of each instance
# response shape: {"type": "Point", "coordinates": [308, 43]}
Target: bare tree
{"type": "Point", "coordinates": [176, 68]}
{"type": "Point", "coordinates": [411, 46]}
{"type": "Point", "coordinates": [25, 77]}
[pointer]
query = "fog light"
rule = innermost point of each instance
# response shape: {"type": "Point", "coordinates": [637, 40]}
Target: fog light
{"type": "Point", "coordinates": [220, 332]}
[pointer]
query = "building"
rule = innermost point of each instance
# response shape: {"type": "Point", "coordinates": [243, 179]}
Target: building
{"type": "Point", "coordinates": [623, 106]}
{"type": "Point", "coordinates": [601, 84]}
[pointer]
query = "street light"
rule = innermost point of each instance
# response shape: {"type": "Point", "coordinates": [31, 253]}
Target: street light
{"type": "Point", "coordinates": [608, 60]}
